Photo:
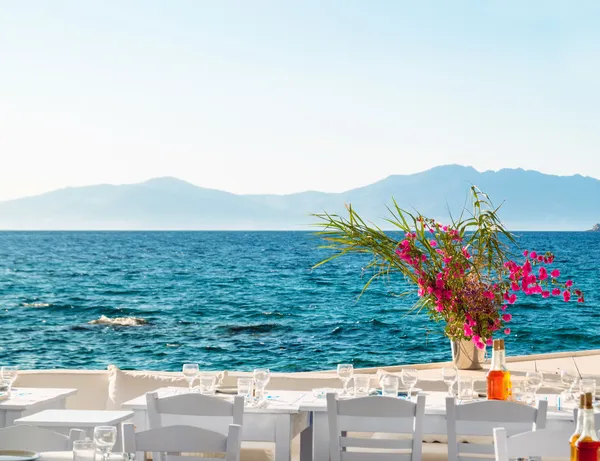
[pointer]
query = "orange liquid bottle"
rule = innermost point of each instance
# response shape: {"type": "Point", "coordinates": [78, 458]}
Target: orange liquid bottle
{"type": "Point", "coordinates": [587, 445]}
{"type": "Point", "coordinates": [498, 383]}
{"type": "Point", "coordinates": [578, 429]}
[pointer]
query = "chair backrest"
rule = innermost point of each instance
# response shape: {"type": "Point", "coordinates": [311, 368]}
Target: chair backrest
{"type": "Point", "coordinates": [480, 418]}
{"type": "Point", "coordinates": [175, 441]}
{"type": "Point", "coordinates": [37, 439]}
{"type": "Point", "coordinates": [204, 411]}
{"type": "Point", "coordinates": [387, 415]}
{"type": "Point", "coordinates": [544, 442]}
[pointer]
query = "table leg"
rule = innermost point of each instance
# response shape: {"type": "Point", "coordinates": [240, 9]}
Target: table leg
{"type": "Point", "coordinates": [320, 436]}
{"type": "Point", "coordinates": [140, 424]}
{"type": "Point", "coordinates": [11, 415]}
{"type": "Point", "coordinates": [306, 445]}
{"type": "Point", "coordinates": [283, 438]}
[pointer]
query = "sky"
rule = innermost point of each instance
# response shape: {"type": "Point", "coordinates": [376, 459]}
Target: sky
{"type": "Point", "coordinates": [284, 96]}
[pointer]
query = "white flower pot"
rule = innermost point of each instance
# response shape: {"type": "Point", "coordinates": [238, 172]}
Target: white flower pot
{"type": "Point", "coordinates": [466, 356]}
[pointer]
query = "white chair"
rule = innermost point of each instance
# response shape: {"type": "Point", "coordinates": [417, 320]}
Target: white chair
{"type": "Point", "coordinates": [375, 414]}
{"type": "Point", "coordinates": [544, 442]}
{"type": "Point", "coordinates": [175, 441]}
{"type": "Point", "coordinates": [480, 419]}
{"type": "Point", "coordinates": [37, 439]}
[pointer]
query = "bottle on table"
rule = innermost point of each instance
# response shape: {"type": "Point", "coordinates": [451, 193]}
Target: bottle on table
{"type": "Point", "coordinates": [578, 428]}
{"type": "Point", "coordinates": [587, 445]}
{"type": "Point", "coordinates": [498, 378]}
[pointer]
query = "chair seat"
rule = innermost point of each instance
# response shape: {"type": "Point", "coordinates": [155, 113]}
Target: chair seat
{"type": "Point", "coordinates": [257, 451]}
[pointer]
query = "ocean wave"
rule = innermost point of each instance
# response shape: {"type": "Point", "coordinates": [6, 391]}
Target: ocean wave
{"type": "Point", "coordinates": [36, 304]}
{"type": "Point", "coordinates": [120, 321]}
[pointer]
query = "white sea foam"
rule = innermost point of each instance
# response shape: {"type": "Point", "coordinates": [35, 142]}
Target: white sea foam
{"type": "Point", "coordinates": [36, 304]}
{"type": "Point", "coordinates": [120, 321]}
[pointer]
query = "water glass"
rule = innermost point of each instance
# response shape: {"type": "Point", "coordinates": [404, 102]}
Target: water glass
{"type": "Point", "coordinates": [587, 385]}
{"type": "Point", "coordinates": [569, 380]}
{"type": "Point", "coordinates": [84, 450]}
{"type": "Point", "coordinates": [389, 386]}
{"type": "Point", "coordinates": [190, 372]}
{"type": "Point", "coordinates": [208, 383]}
{"type": "Point", "coordinates": [409, 377]}
{"type": "Point", "coordinates": [105, 438]}
{"type": "Point", "coordinates": [361, 385]}
{"type": "Point", "coordinates": [465, 388]}
{"type": "Point", "coordinates": [244, 388]}
{"type": "Point", "coordinates": [345, 372]}
{"type": "Point", "coordinates": [449, 376]}
{"type": "Point", "coordinates": [534, 381]}
{"type": "Point", "coordinates": [262, 376]}
{"type": "Point", "coordinates": [9, 374]}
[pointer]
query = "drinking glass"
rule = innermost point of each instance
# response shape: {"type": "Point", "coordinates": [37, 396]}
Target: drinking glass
{"type": "Point", "coordinates": [261, 379]}
{"type": "Point", "coordinates": [409, 377]}
{"type": "Point", "coordinates": [534, 381]}
{"type": "Point", "coordinates": [465, 388]}
{"type": "Point", "coordinates": [449, 376]}
{"type": "Point", "coordinates": [190, 371]}
{"type": "Point", "coordinates": [361, 385]}
{"type": "Point", "coordinates": [208, 383]}
{"type": "Point", "coordinates": [84, 450]}
{"type": "Point", "coordinates": [345, 372]}
{"type": "Point", "coordinates": [105, 438]}
{"type": "Point", "coordinates": [9, 375]}
{"type": "Point", "coordinates": [588, 385]}
{"type": "Point", "coordinates": [389, 386]}
{"type": "Point", "coordinates": [244, 388]}
{"type": "Point", "coordinates": [569, 380]}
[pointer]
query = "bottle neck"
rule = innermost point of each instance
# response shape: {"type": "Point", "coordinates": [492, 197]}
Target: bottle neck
{"type": "Point", "coordinates": [579, 426]}
{"type": "Point", "coordinates": [588, 428]}
{"type": "Point", "coordinates": [498, 360]}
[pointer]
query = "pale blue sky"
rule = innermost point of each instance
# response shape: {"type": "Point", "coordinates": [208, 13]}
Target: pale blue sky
{"type": "Point", "coordinates": [284, 96]}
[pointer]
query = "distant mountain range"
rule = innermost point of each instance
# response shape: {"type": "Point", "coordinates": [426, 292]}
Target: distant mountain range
{"type": "Point", "coordinates": [532, 201]}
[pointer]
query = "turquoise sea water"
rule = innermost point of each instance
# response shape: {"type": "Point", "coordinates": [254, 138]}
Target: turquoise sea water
{"type": "Point", "coordinates": [237, 300]}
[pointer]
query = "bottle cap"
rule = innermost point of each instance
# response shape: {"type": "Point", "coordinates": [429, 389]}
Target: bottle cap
{"type": "Point", "coordinates": [589, 400]}
{"type": "Point", "coordinates": [581, 400]}
{"type": "Point", "coordinates": [498, 344]}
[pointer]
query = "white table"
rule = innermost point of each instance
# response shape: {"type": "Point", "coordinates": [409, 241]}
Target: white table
{"type": "Point", "coordinates": [279, 421]}
{"type": "Point", "coordinates": [28, 400]}
{"type": "Point", "coordinates": [63, 421]}
{"type": "Point", "coordinates": [434, 421]}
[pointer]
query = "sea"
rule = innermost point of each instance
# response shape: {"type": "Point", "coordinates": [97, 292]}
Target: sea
{"type": "Point", "coordinates": [240, 300]}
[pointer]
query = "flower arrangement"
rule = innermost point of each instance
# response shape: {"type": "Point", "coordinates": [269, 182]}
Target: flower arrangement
{"type": "Point", "coordinates": [464, 273]}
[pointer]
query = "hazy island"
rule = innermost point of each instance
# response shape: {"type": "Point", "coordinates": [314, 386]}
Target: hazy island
{"type": "Point", "coordinates": [595, 228]}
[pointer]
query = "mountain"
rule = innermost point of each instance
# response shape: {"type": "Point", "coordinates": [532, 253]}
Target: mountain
{"type": "Point", "coordinates": [530, 201]}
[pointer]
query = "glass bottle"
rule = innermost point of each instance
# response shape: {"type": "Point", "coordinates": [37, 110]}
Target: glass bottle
{"type": "Point", "coordinates": [578, 429]}
{"type": "Point", "coordinates": [587, 445]}
{"type": "Point", "coordinates": [498, 378]}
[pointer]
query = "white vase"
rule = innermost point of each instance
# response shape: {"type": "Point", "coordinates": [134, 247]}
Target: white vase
{"type": "Point", "coordinates": [466, 356]}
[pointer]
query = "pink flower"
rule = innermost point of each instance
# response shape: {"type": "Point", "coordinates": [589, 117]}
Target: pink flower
{"type": "Point", "coordinates": [467, 330]}
{"type": "Point", "coordinates": [545, 294]}
{"type": "Point", "coordinates": [555, 291]}
{"type": "Point", "coordinates": [579, 300]}
{"type": "Point", "coordinates": [525, 253]}
{"type": "Point", "coordinates": [512, 298]}
{"type": "Point", "coordinates": [566, 296]}
{"type": "Point", "coordinates": [507, 331]}
{"type": "Point", "coordinates": [506, 317]}
{"type": "Point", "coordinates": [445, 228]}
{"type": "Point", "coordinates": [480, 346]}
{"type": "Point", "coordinates": [569, 283]}
{"type": "Point", "coordinates": [543, 273]}
{"type": "Point", "coordinates": [504, 307]}
{"type": "Point", "coordinates": [533, 254]}
{"type": "Point", "coordinates": [489, 342]}
{"type": "Point", "coordinates": [555, 273]}
{"type": "Point", "coordinates": [514, 286]}
{"type": "Point", "coordinates": [433, 243]}
{"type": "Point", "coordinates": [476, 338]}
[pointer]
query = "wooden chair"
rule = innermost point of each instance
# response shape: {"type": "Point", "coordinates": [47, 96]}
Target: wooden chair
{"type": "Point", "coordinates": [375, 414]}
{"type": "Point", "coordinates": [480, 419]}
{"type": "Point", "coordinates": [174, 441]}
{"type": "Point", "coordinates": [544, 442]}
{"type": "Point", "coordinates": [37, 439]}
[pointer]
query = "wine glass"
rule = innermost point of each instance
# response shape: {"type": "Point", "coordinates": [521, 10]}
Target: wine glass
{"type": "Point", "coordinates": [409, 377]}
{"type": "Point", "coordinates": [345, 372]}
{"type": "Point", "coordinates": [105, 438]}
{"type": "Point", "coordinates": [9, 375]}
{"type": "Point", "coordinates": [261, 379]}
{"type": "Point", "coordinates": [534, 381]}
{"type": "Point", "coordinates": [569, 380]}
{"type": "Point", "coordinates": [190, 371]}
{"type": "Point", "coordinates": [449, 376]}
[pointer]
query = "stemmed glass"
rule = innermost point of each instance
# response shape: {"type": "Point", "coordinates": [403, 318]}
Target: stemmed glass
{"type": "Point", "coordinates": [449, 376]}
{"type": "Point", "coordinates": [345, 372]}
{"type": "Point", "coordinates": [261, 379]}
{"type": "Point", "coordinates": [569, 380]}
{"type": "Point", "coordinates": [190, 372]}
{"type": "Point", "coordinates": [9, 375]}
{"type": "Point", "coordinates": [409, 377]}
{"type": "Point", "coordinates": [534, 381]}
{"type": "Point", "coordinates": [105, 438]}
